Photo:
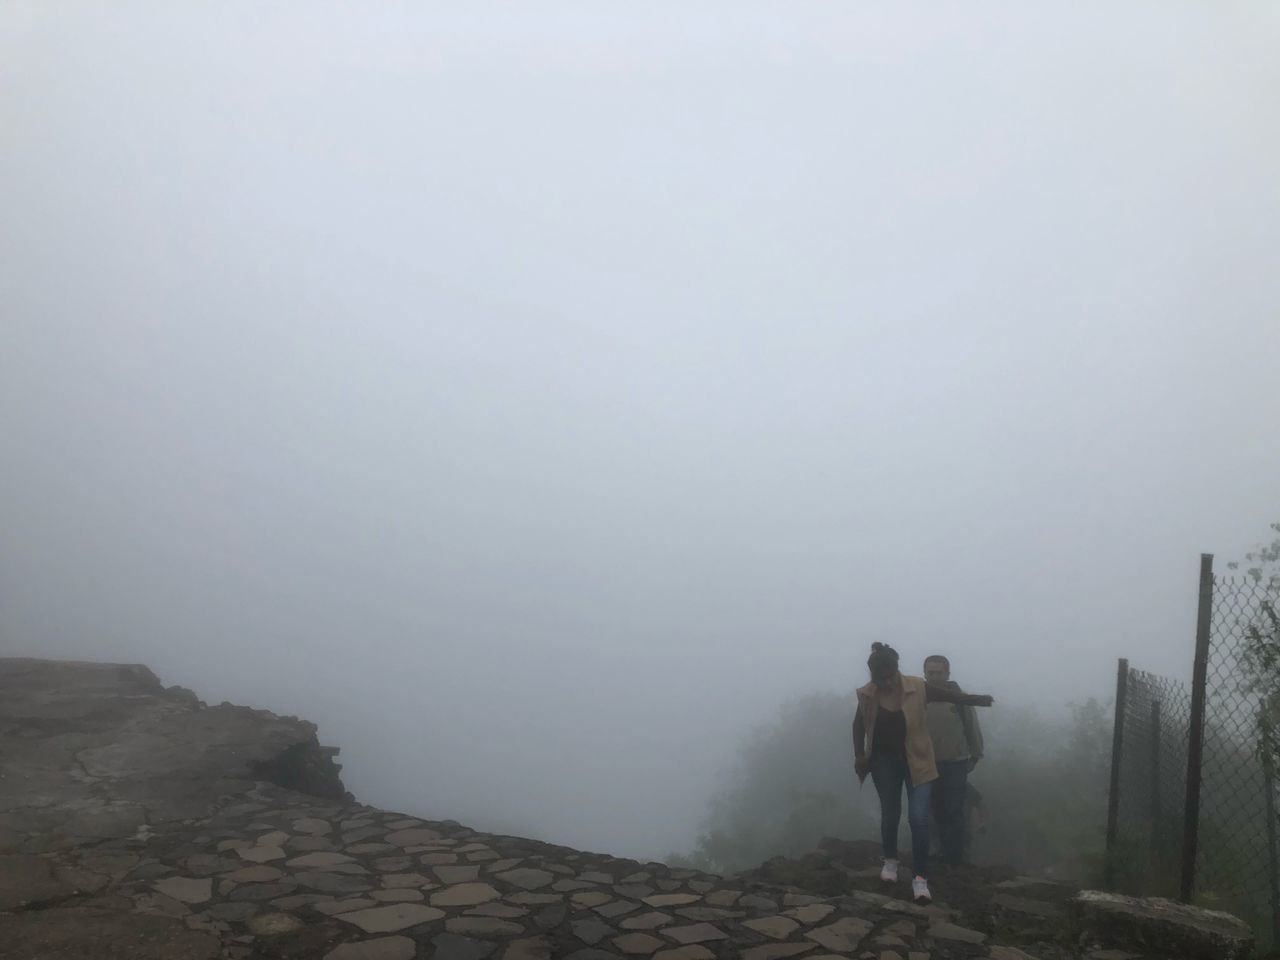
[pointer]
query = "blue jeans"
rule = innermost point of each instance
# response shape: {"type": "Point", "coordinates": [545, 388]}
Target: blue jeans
{"type": "Point", "coordinates": [890, 774]}
{"type": "Point", "coordinates": [953, 783]}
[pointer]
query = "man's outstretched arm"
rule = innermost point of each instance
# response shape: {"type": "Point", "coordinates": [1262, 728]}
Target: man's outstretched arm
{"type": "Point", "coordinates": [933, 694]}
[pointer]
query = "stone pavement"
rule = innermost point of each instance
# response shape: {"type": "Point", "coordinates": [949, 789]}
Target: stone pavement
{"type": "Point", "coordinates": [104, 854]}
{"type": "Point", "coordinates": [276, 874]}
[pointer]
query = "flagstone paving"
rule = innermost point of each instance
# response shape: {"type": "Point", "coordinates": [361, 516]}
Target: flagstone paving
{"type": "Point", "coordinates": [228, 875]}
{"type": "Point", "coordinates": [228, 859]}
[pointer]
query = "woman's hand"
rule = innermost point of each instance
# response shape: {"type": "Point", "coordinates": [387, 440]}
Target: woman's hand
{"type": "Point", "coordinates": [861, 766]}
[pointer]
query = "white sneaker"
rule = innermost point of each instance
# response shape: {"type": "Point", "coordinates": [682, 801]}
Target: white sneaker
{"type": "Point", "coordinates": [889, 872]}
{"type": "Point", "coordinates": [920, 890]}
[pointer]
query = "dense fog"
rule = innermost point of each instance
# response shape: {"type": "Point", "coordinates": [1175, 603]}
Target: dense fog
{"type": "Point", "coordinates": [536, 397]}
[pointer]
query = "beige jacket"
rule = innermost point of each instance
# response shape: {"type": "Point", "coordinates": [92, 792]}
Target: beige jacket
{"type": "Point", "coordinates": [919, 746]}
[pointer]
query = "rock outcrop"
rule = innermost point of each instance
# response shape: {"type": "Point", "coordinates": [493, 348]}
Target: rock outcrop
{"type": "Point", "coordinates": [137, 822]}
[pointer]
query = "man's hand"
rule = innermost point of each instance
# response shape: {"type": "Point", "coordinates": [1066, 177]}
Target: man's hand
{"type": "Point", "coordinates": [973, 762]}
{"type": "Point", "coordinates": [861, 766]}
{"type": "Point", "coordinates": [980, 700]}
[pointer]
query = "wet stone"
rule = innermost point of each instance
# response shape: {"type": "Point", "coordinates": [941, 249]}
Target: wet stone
{"type": "Point", "coordinates": [464, 895]}
{"type": "Point", "coordinates": [502, 910]}
{"type": "Point", "coordinates": [691, 952]}
{"type": "Point", "coordinates": [814, 913]}
{"type": "Point", "coordinates": [636, 891]}
{"type": "Point", "coordinates": [647, 921]}
{"type": "Point", "coordinates": [391, 918]}
{"type": "Point", "coordinates": [637, 943]}
{"type": "Point", "coordinates": [434, 859]}
{"type": "Point", "coordinates": [526, 878]}
{"type": "Point", "coordinates": [723, 898]}
{"type": "Point", "coordinates": [262, 854]}
{"type": "Point", "coordinates": [591, 930]}
{"type": "Point", "coordinates": [671, 899]}
{"type": "Point", "coordinates": [757, 902]}
{"type": "Point", "coordinates": [401, 895]}
{"type": "Point", "coordinates": [382, 948]}
{"type": "Point", "coordinates": [454, 874]}
{"type": "Point", "coordinates": [535, 898]}
{"type": "Point", "coordinates": [393, 864]}
{"type": "Point", "coordinates": [406, 880]}
{"type": "Point", "coordinates": [483, 927]}
{"type": "Point", "coordinates": [273, 924]}
{"type": "Point", "coordinates": [186, 889]}
{"type": "Point", "coordinates": [617, 908]}
{"type": "Point", "coordinates": [695, 933]}
{"type": "Point", "coordinates": [709, 914]}
{"type": "Point", "coordinates": [551, 916]}
{"type": "Point", "coordinates": [261, 892]}
{"type": "Point", "coordinates": [329, 882]}
{"type": "Point", "coordinates": [308, 844]}
{"type": "Point", "coordinates": [300, 900]}
{"type": "Point", "coordinates": [842, 936]}
{"type": "Point", "coordinates": [568, 886]}
{"type": "Point", "coordinates": [259, 873]}
{"type": "Point", "coordinates": [949, 931]}
{"type": "Point", "coordinates": [775, 951]}
{"type": "Point", "coordinates": [204, 864]}
{"type": "Point", "coordinates": [778, 928]}
{"type": "Point", "coordinates": [407, 838]}
{"type": "Point", "coordinates": [366, 848]}
{"type": "Point", "coordinates": [334, 907]}
{"type": "Point", "coordinates": [233, 912]}
{"type": "Point", "coordinates": [320, 859]}
{"type": "Point", "coordinates": [533, 948]}
{"type": "Point", "coordinates": [589, 898]}
{"type": "Point", "coordinates": [313, 826]}
{"type": "Point", "coordinates": [451, 946]}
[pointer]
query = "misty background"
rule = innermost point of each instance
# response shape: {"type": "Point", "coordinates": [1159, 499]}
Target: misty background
{"type": "Point", "coordinates": [538, 396]}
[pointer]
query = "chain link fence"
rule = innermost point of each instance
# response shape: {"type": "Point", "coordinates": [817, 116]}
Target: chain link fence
{"type": "Point", "coordinates": [1235, 867]}
{"type": "Point", "coordinates": [1145, 826]}
{"type": "Point", "coordinates": [1192, 810]}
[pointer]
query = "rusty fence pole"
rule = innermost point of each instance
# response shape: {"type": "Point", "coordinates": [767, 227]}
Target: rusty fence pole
{"type": "Point", "coordinates": [1195, 743]}
{"type": "Point", "coordinates": [1157, 806]}
{"type": "Point", "coordinates": [1273, 865]}
{"type": "Point", "coordinates": [1113, 797]}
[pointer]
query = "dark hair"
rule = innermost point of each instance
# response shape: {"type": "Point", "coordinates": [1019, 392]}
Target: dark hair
{"type": "Point", "coordinates": [940, 658]}
{"type": "Point", "coordinates": [882, 655]}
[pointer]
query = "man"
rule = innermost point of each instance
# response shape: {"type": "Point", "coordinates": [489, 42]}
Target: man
{"type": "Point", "coordinates": [957, 748]}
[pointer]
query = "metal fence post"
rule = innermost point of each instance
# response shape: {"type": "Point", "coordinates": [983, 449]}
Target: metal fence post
{"type": "Point", "coordinates": [1195, 744]}
{"type": "Point", "coordinates": [1157, 811]}
{"type": "Point", "coordinates": [1113, 798]}
{"type": "Point", "coordinates": [1272, 865]}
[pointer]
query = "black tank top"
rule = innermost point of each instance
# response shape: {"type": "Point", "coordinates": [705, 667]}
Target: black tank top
{"type": "Point", "coordinates": [890, 736]}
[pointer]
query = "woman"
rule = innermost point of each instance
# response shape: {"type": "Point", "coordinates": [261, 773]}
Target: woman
{"type": "Point", "coordinates": [891, 742]}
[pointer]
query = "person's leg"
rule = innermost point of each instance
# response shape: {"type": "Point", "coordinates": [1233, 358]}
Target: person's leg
{"type": "Point", "coordinates": [918, 800]}
{"type": "Point", "coordinates": [888, 777]}
{"type": "Point", "coordinates": [954, 781]}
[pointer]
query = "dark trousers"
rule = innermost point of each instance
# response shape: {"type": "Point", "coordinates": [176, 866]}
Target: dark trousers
{"type": "Point", "coordinates": [953, 781]}
{"type": "Point", "coordinates": [890, 774]}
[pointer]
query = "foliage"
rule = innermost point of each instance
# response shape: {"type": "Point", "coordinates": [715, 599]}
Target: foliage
{"type": "Point", "coordinates": [1260, 656]}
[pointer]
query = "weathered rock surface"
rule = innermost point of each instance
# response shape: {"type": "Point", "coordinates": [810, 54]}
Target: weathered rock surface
{"type": "Point", "coordinates": [136, 822]}
{"type": "Point", "coordinates": [1154, 925]}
